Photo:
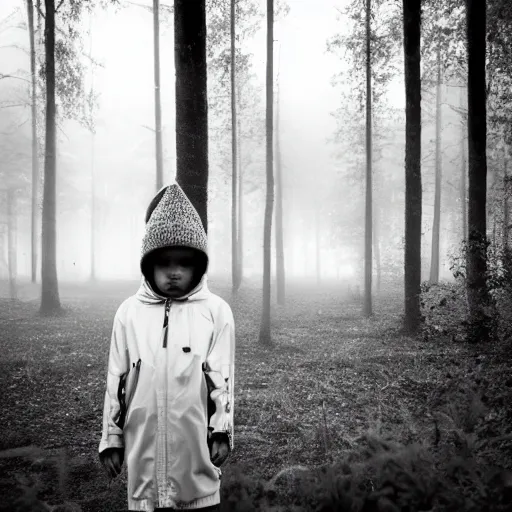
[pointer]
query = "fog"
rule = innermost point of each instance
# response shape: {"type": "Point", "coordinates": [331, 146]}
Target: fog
{"type": "Point", "coordinates": [322, 154]}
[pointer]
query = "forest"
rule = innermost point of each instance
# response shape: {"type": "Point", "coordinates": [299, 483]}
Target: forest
{"type": "Point", "coordinates": [350, 163]}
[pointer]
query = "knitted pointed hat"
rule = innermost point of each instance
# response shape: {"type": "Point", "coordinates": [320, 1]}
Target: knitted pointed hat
{"type": "Point", "coordinates": [172, 222]}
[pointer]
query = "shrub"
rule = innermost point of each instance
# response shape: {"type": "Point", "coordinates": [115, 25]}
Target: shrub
{"type": "Point", "coordinates": [444, 311]}
{"type": "Point", "coordinates": [454, 471]}
{"type": "Point", "coordinates": [444, 306]}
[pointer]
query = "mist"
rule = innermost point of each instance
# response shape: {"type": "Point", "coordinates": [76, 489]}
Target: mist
{"type": "Point", "coordinates": [321, 137]}
{"type": "Point", "coordinates": [117, 161]}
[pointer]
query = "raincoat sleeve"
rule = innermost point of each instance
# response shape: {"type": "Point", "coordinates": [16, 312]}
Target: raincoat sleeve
{"type": "Point", "coordinates": [118, 365]}
{"type": "Point", "coordinates": [220, 365]}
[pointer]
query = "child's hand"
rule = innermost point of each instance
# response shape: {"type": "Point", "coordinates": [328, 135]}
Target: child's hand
{"type": "Point", "coordinates": [112, 460]}
{"type": "Point", "coordinates": [219, 451]}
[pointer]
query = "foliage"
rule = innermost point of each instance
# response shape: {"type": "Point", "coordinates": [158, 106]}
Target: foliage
{"type": "Point", "coordinates": [385, 38]}
{"type": "Point", "coordinates": [499, 39]}
{"type": "Point", "coordinates": [444, 30]}
{"type": "Point", "coordinates": [73, 101]}
{"type": "Point", "coordinates": [250, 110]}
{"type": "Point", "coordinates": [444, 306]}
{"type": "Point", "coordinates": [15, 156]}
{"type": "Point", "coordinates": [497, 272]}
{"type": "Point", "coordinates": [444, 310]}
{"type": "Point", "coordinates": [349, 139]}
{"type": "Point", "coordinates": [247, 19]}
{"type": "Point", "coordinates": [30, 487]}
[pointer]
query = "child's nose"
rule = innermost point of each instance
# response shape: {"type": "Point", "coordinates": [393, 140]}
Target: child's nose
{"type": "Point", "coordinates": [174, 271]}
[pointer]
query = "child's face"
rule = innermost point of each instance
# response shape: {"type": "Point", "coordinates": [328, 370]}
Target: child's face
{"type": "Point", "coordinates": [174, 271]}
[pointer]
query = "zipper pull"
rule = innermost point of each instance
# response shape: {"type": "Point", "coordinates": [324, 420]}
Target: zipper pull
{"type": "Point", "coordinates": [166, 321]}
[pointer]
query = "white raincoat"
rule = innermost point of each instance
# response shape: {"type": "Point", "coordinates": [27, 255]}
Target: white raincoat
{"type": "Point", "coordinates": [166, 357]}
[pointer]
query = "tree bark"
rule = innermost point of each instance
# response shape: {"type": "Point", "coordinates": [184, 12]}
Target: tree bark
{"type": "Point", "coordinates": [494, 229]}
{"type": "Point", "coordinates": [240, 232]}
{"type": "Point", "coordinates": [506, 211]}
{"type": "Point", "coordinates": [479, 322]}
{"type": "Point", "coordinates": [376, 250]}
{"type": "Point", "coordinates": [280, 267]}
{"type": "Point", "coordinates": [11, 243]}
{"type": "Point", "coordinates": [158, 104]}
{"type": "Point", "coordinates": [92, 276]}
{"type": "Point", "coordinates": [234, 160]}
{"type": "Point", "coordinates": [39, 21]}
{"type": "Point", "coordinates": [35, 159]}
{"type": "Point", "coordinates": [50, 300]}
{"type": "Point", "coordinates": [463, 174]}
{"type": "Point", "coordinates": [317, 246]}
{"type": "Point", "coordinates": [265, 335]}
{"type": "Point", "coordinates": [436, 227]}
{"type": "Point", "coordinates": [368, 256]}
{"type": "Point", "coordinates": [413, 207]}
{"type": "Point", "coordinates": [191, 103]}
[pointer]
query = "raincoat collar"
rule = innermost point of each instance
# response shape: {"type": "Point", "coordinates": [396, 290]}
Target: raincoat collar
{"type": "Point", "coordinates": [148, 296]}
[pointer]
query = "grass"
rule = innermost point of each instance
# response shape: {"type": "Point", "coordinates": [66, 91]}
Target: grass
{"type": "Point", "coordinates": [334, 388]}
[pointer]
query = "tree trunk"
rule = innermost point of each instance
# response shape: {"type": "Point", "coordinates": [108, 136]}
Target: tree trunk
{"type": "Point", "coordinates": [317, 246]}
{"type": "Point", "coordinates": [412, 260]}
{"type": "Point", "coordinates": [494, 229]}
{"type": "Point", "coordinates": [280, 267]}
{"type": "Point", "coordinates": [234, 160]}
{"type": "Point", "coordinates": [368, 256]}
{"type": "Point", "coordinates": [240, 232]}
{"type": "Point", "coordinates": [50, 301]}
{"type": "Point", "coordinates": [463, 174]}
{"type": "Point", "coordinates": [35, 160]}
{"type": "Point", "coordinates": [265, 336]}
{"type": "Point", "coordinates": [92, 276]}
{"type": "Point", "coordinates": [506, 211]}
{"type": "Point", "coordinates": [434, 261]}
{"type": "Point", "coordinates": [191, 103]}
{"type": "Point", "coordinates": [11, 243]}
{"type": "Point", "coordinates": [39, 21]}
{"type": "Point", "coordinates": [376, 249]}
{"type": "Point", "coordinates": [479, 324]}
{"type": "Point", "coordinates": [305, 237]}
{"type": "Point", "coordinates": [158, 105]}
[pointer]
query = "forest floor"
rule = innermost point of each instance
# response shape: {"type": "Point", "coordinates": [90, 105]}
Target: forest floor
{"type": "Point", "coordinates": [331, 383]}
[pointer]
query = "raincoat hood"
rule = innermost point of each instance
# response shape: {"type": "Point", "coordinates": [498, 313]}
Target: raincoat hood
{"type": "Point", "coordinates": [172, 221]}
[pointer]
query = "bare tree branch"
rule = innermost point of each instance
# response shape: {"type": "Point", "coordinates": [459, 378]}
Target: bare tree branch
{"type": "Point", "coordinates": [14, 105]}
{"type": "Point", "coordinates": [15, 46]}
{"type": "Point", "coordinates": [59, 6]}
{"type": "Point", "coordinates": [165, 7]}
{"type": "Point", "coordinates": [7, 134]}
{"type": "Point", "coordinates": [40, 12]}
{"type": "Point", "coordinates": [13, 76]}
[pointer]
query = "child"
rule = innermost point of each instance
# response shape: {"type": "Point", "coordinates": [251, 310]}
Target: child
{"type": "Point", "coordinates": [169, 401]}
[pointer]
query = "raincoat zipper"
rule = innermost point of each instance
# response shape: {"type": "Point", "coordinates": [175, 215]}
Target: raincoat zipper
{"type": "Point", "coordinates": [166, 321]}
